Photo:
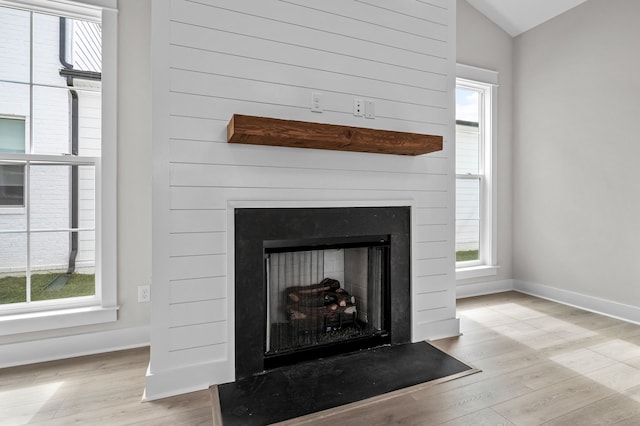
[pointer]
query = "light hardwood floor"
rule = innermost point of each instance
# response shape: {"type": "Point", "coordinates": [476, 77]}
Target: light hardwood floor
{"type": "Point", "coordinates": [542, 363]}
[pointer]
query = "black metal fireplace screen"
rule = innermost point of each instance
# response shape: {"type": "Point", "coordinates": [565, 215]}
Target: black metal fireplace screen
{"type": "Point", "coordinates": [325, 292]}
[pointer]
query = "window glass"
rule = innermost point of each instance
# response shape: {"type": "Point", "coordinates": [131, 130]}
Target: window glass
{"type": "Point", "coordinates": [12, 140]}
{"type": "Point", "coordinates": [46, 51]}
{"type": "Point", "coordinates": [50, 277]}
{"type": "Point", "coordinates": [468, 172]}
{"type": "Point", "coordinates": [467, 104]}
{"type": "Point", "coordinates": [467, 148]}
{"type": "Point", "coordinates": [15, 46]}
{"type": "Point", "coordinates": [51, 120]}
{"type": "Point", "coordinates": [50, 136]}
{"type": "Point", "coordinates": [13, 259]}
{"type": "Point", "coordinates": [12, 135]}
{"type": "Point", "coordinates": [14, 108]}
{"type": "Point", "coordinates": [90, 123]}
{"type": "Point", "coordinates": [87, 46]}
{"type": "Point", "coordinates": [467, 219]}
{"type": "Point", "coordinates": [11, 185]}
{"type": "Point", "coordinates": [467, 131]}
{"type": "Point", "coordinates": [49, 197]}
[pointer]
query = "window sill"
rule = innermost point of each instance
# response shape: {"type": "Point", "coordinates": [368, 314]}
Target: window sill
{"type": "Point", "coordinates": [54, 319]}
{"type": "Point", "coordinates": [12, 210]}
{"type": "Point", "coordinates": [476, 272]}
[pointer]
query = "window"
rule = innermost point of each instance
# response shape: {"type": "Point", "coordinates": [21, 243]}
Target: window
{"type": "Point", "coordinates": [11, 176]}
{"type": "Point", "coordinates": [475, 174]}
{"type": "Point", "coordinates": [58, 255]}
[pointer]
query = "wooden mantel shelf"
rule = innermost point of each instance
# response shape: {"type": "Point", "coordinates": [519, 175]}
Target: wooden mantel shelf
{"type": "Point", "coordinates": [301, 134]}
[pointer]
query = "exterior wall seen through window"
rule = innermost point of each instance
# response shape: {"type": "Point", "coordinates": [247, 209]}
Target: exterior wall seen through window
{"type": "Point", "coordinates": [50, 140]}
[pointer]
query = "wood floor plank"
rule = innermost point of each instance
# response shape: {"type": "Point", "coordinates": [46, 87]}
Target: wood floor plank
{"type": "Point", "coordinates": [486, 417]}
{"type": "Point", "coordinates": [215, 408]}
{"type": "Point", "coordinates": [472, 353]}
{"type": "Point", "coordinates": [547, 404]}
{"type": "Point", "coordinates": [618, 377]}
{"type": "Point", "coordinates": [608, 411]}
{"type": "Point", "coordinates": [634, 362]}
{"type": "Point", "coordinates": [617, 349]}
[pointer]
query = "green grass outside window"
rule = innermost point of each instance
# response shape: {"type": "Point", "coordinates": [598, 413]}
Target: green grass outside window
{"type": "Point", "coordinates": [13, 289]}
{"type": "Point", "coordinates": [464, 256]}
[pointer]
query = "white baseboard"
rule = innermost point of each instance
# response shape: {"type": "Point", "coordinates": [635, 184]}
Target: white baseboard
{"type": "Point", "coordinates": [186, 379]}
{"type": "Point", "coordinates": [588, 303]}
{"type": "Point", "coordinates": [480, 289]}
{"type": "Point", "coordinates": [31, 352]}
{"type": "Point", "coordinates": [437, 330]}
{"type": "Point", "coordinates": [175, 382]}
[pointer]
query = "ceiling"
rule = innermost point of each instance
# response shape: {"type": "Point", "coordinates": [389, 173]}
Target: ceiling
{"type": "Point", "coordinates": [518, 16]}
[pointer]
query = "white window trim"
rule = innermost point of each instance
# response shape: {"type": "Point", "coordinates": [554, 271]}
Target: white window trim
{"type": "Point", "coordinates": [91, 10]}
{"type": "Point", "coordinates": [488, 263]}
{"type": "Point", "coordinates": [85, 311]}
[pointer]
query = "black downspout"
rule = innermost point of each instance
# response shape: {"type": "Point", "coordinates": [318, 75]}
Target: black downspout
{"type": "Point", "coordinates": [74, 147]}
{"type": "Point", "coordinates": [62, 49]}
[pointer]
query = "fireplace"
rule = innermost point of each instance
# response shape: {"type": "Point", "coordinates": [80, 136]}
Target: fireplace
{"type": "Point", "coordinates": [313, 282]}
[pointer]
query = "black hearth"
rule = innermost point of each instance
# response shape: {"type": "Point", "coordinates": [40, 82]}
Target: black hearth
{"type": "Point", "coordinates": [313, 282]}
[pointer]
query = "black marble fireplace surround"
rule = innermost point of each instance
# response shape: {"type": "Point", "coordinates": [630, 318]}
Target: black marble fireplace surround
{"type": "Point", "coordinates": [256, 228]}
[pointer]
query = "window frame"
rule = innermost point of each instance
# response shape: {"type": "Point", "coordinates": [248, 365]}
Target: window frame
{"type": "Point", "coordinates": [102, 307]}
{"type": "Point", "coordinates": [486, 81]}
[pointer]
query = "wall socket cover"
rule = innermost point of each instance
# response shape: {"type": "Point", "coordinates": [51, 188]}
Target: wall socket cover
{"type": "Point", "coordinates": [144, 293]}
{"type": "Point", "coordinates": [358, 107]}
{"type": "Point", "coordinates": [316, 102]}
{"type": "Point", "coordinates": [369, 109]}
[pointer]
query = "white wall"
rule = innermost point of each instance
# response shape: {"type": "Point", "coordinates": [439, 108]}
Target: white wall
{"type": "Point", "coordinates": [265, 58]}
{"type": "Point", "coordinates": [134, 208]}
{"type": "Point", "coordinates": [481, 43]}
{"type": "Point", "coordinates": [576, 198]}
{"type": "Point", "coordinates": [134, 158]}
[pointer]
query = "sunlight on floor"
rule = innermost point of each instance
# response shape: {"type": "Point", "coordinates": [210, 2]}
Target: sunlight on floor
{"type": "Point", "coordinates": [604, 364]}
{"type": "Point", "coordinates": [614, 363]}
{"type": "Point", "coordinates": [22, 405]}
{"type": "Point", "coordinates": [528, 326]}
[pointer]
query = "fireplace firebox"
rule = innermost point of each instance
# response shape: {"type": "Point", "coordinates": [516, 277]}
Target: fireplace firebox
{"type": "Point", "coordinates": [325, 295]}
{"type": "Point", "coordinates": [313, 282]}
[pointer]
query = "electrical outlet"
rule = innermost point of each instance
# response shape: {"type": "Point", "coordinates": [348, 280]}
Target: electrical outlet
{"type": "Point", "coordinates": [369, 109]}
{"type": "Point", "coordinates": [316, 102]}
{"type": "Point", "coordinates": [144, 293]}
{"type": "Point", "coordinates": [358, 107]}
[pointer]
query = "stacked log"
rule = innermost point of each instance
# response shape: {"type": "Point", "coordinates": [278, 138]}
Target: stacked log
{"type": "Point", "coordinates": [323, 306]}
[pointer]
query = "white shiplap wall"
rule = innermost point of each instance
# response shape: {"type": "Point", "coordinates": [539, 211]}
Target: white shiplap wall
{"type": "Point", "coordinates": [265, 58]}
